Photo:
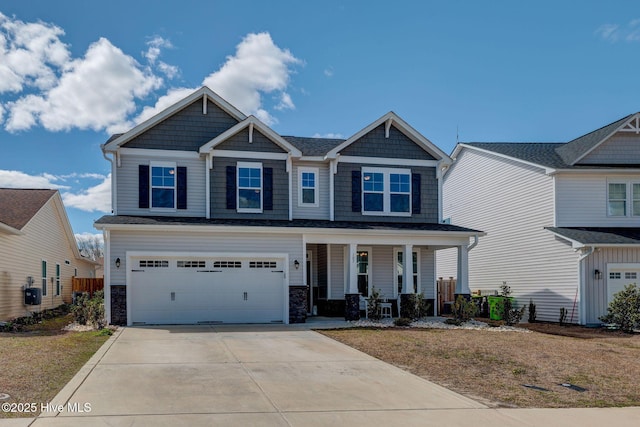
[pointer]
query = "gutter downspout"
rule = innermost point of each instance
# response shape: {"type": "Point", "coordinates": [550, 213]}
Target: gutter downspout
{"type": "Point", "coordinates": [474, 244]}
{"type": "Point", "coordinates": [113, 181]}
{"type": "Point", "coordinates": [580, 288]}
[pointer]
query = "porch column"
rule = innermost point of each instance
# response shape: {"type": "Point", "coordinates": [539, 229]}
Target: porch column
{"type": "Point", "coordinates": [352, 297]}
{"type": "Point", "coordinates": [462, 281]}
{"type": "Point", "coordinates": [407, 270]}
{"type": "Point", "coordinates": [407, 301]}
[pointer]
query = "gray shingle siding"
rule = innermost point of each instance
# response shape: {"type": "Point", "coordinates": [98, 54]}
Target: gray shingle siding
{"type": "Point", "coordinates": [186, 130]}
{"type": "Point", "coordinates": [219, 194]}
{"type": "Point", "coordinates": [398, 145]}
{"type": "Point", "coordinates": [240, 142]}
{"type": "Point", "coordinates": [429, 196]}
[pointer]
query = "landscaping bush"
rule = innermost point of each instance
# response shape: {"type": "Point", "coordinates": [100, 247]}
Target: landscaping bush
{"type": "Point", "coordinates": [373, 304]}
{"type": "Point", "coordinates": [510, 314]}
{"type": "Point", "coordinates": [624, 310]}
{"type": "Point", "coordinates": [463, 310]}
{"type": "Point", "coordinates": [563, 316]}
{"type": "Point", "coordinates": [415, 307]}
{"type": "Point", "coordinates": [90, 310]}
{"type": "Point", "coordinates": [532, 312]}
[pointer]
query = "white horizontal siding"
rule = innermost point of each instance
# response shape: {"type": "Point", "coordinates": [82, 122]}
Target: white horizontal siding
{"type": "Point", "coordinates": [127, 186]}
{"type": "Point", "coordinates": [305, 212]}
{"type": "Point", "coordinates": [203, 241]}
{"type": "Point", "coordinates": [427, 272]}
{"type": "Point", "coordinates": [581, 200]}
{"type": "Point", "coordinates": [622, 148]}
{"type": "Point", "coordinates": [21, 256]}
{"type": "Point", "coordinates": [337, 268]}
{"type": "Point", "coordinates": [512, 203]}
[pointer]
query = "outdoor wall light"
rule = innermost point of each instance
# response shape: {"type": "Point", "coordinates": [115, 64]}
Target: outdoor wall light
{"type": "Point", "coordinates": [117, 262]}
{"type": "Point", "coordinates": [296, 264]}
{"type": "Point", "coordinates": [597, 274]}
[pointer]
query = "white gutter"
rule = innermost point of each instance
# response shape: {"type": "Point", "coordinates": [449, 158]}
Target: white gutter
{"type": "Point", "coordinates": [113, 181]}
{"type": "Point", "coordinates": [474, 244]}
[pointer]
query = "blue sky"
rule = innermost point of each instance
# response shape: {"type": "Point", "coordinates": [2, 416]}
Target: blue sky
{"type": "Point", "coordinates": [72, 72]}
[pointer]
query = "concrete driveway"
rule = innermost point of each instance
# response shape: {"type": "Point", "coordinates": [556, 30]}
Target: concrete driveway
{"type": "Point", "coordinates": [257, 375]}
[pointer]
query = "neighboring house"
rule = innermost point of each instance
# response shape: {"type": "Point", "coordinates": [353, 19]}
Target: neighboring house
{"type": "Point", "coordinates": [217, 218]}
{"type": "Point", "coordinates": [37, 250]}
{"type": "Point", "coordinates": [562, 219]}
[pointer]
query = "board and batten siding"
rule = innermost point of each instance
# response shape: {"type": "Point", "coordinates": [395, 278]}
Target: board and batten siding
{"type": "Point", "coordinates": [581, 200]}
{"type": "Point", "coordinates": [511, 202]}
{"type": "Point", "coordinates": [311, 212]}
{"type": "Point", "coordinates": [596, 290]}
{"type": "Point", "coordinates": [21, 256]}
{"type": "Point", "coordinates": [204, 241]}
{"type": "Point", "coordinates": [127, 186]}
{"type": "Point", "coordinates": [623, 148]}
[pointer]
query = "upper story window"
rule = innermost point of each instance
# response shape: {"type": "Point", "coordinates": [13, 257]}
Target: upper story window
{"type": "Point", "coordinates": [308, 187]}
{"type": "Point", "coordinates": [163, 185]}
{"type": "Point", "coordinates": [249, 187]}
{"type": "Point", "coordinates": [623, 199]}
{"type": "Point", "coordinates": [386, 191]}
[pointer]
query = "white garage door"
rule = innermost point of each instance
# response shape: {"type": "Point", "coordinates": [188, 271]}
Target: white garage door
{"type": "Point", "coordinates": [188, 290]}
{"type": "Point", "coordinates": [619, 276]}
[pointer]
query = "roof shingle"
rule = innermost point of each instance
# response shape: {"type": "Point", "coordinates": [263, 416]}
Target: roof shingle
{"type": "Point", "coordinates": [18, 206]}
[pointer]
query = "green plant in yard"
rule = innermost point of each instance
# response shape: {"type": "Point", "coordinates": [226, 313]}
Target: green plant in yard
{"type": "Point", "coordinates": [373, 304]}
{"type": "Point", "coordinates": [563, 316]}
{"type": "Point", "coordinates": [90, 310]}
{"type": "Point", "coordinates": [402, 321]}
{"type": "Point", "coordinates": [532, 312]}
{"type": "Point", "coordinates": [510, 314]}
{"type": "Point", "coordinates": [624, 310]}
{"type": "Point", "coordinates": [415, 307]}
{"type": "Point", "coordinates": [463, 310]}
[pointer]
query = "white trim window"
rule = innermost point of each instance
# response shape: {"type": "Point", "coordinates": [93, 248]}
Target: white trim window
{"type": "Point", "coordinates": [58, 288]}
{"type": "Point", "coordinates": [308, 187]}
{"type": "Point", "coordinates": [386, 191]}
{"type": "Point", "coordinates": [398, 277]}
{"type": "Point", "coordinates": [249, 187]}
{"type": "Point", "coordinates": [623, 198]}
{"type": "Point", "coordinates": [163, 185]}
{"type": "Point", "coordinates": [363, 269]}
{"type": "Point", "coordinates": [44, 277]}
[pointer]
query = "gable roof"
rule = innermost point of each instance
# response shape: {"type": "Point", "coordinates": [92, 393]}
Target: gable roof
{"type": "Point", "coordinates": [251, 121]}
{"type": "Point", "coordinates": [598, 236]}
{"type": "Point", "coordinates": [389, 119]}
{"type": "Point", "coordinates": [537, 153]}
{"type": "Point", "coordinates": [573, 151]}
{"type": "Point", "coordinates": [18, 206]}
{"type": "Point", "coordinates": [204, 92]}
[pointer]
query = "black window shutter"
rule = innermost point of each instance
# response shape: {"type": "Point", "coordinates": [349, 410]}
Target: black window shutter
{"type": "Point", "coordinates": [143, 186]}
{"type": "Point", "coordinates": [416, 195]}
{"type": "Point", "coordinates": [356, 191]}
{"type": "Point", "coordinates": [267, 185]}
{"type": "Point", "coordinates": [231, 187]}
{"type": "Point", "coordinates": [182, 187]}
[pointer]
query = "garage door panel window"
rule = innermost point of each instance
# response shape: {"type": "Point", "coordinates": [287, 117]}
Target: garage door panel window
{"type": "Point", "coordinates": [154, 263]}
{"type": "Point", "coordinates": [262, 264]}
{"type": "Point", "coordinates": [191, 264]}
{"type": "Point", "coordinates": [630, 275]}
{"type": "Point", "coordinates": [227, 264]}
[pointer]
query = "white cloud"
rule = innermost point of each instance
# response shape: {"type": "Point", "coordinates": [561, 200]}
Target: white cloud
{"type": "Point", "coordinates": [93, 199]}
{"type": "Point", "coordinates": [328, 72]}
{"type": "Point", "coordinates": [616, 32]}
{"type": "Point", "coordinates": [30, 54]}
{"type": "Point", "coordinates": [328, 135]}
{"type": "Point", "coordinates": [258, 66]}
{"type": "Point", "coordinates": [94, 92]}
{"type": "Point", "coordinates": [17, 179]}
{"type": "Point", "coordinates": [286, 103]}
{"type": "Point", "coordinates": [156, 44]}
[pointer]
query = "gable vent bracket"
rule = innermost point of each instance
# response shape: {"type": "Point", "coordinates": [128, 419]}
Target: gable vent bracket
{"type": "Point", "coordinates": [250, 133]}
{"type": "Point", "coordinates": [204, 103]}
{"type": "Point", "coordinates": [387, 126]}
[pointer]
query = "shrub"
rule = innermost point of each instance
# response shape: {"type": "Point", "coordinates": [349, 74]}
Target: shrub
{"type": "Point", "coordinates": [90, 310]}
{"type": "Point", "coordinates": [373, 304]}
{"type": "Point", "coordinates": [563, 316]}
{"type": "Point", "coordinates": [415, 307]}
{"type": "Point", "coordinates": [624, 310]}
{"type": "Point", "coordinates": [510, 314]}
{"type": "Point", "coordinates": [463, 310]}
{"type": "Point", "coordinates": [402, 321]}
{"type": "Point", "coordinates": [532, 312]}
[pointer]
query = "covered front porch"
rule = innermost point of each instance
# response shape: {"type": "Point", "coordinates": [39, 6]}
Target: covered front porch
{"type": "Point", "coordinates": [341, 271]}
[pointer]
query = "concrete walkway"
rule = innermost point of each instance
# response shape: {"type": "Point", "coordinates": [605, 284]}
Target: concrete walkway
{"type": "Point", "coordinates": [269, 376]}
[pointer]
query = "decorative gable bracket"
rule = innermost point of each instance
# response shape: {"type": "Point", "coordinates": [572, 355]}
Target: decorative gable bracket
{"type": "Point", "coordinates": [632, 126]}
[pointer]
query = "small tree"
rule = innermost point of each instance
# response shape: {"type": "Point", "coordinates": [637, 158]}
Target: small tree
{"type": "Point", "coordinates": [373, 304]}
{"type": "Point", "coordinates": [624, 310]}
{"type": "Point", "coordinates": [463, 310]}
{"type": "Point", "coordinates": [510, 314]}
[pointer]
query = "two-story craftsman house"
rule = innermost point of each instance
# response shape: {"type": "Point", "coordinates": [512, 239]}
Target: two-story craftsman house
{"type": "Point", "coordinates": [217, 218]}
{"type": "Point", "coordinates": [562, 219]}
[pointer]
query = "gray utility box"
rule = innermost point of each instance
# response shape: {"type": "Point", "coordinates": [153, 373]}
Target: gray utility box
{"type": "Point", "coordinates": [32, 296]}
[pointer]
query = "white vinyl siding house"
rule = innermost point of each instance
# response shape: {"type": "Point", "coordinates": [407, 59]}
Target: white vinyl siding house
{"type": "Point", "coordinates": [47, 237]}
{"type": "Point", "coordinates": [512, 204]}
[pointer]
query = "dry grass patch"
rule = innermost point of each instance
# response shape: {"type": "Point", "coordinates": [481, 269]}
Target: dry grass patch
{"type": "Point", "coordinates": [493, 366]}
{"type": "Point", "coordinates": [37, 363]}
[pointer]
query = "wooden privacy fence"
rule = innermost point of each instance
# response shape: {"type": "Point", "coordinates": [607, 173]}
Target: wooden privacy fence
{"type": "Point", "coordinates": [446, 292]}
{"type": "Point", "coordinates": [82, 284]}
